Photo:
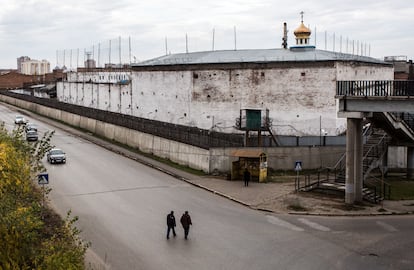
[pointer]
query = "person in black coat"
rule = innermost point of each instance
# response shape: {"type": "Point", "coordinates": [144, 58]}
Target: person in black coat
{"type": "Point", "coordinates": [170, 224]}
{"type": "Point", "coordinates": [246, 177]}
{"type": "Point", "coordinates": [186, 222]}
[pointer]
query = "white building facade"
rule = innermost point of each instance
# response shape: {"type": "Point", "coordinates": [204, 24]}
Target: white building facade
{"type": "Point", "coordinates": [299, 94]}
{"type": "Point", "coordinates": [209, 89]}
{"type": "Point", "coordinates": [34, 67]}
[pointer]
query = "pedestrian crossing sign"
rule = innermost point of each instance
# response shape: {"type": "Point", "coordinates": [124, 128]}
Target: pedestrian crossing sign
{"type": "Point", "coordinates": [43, 179]}
{"type": "Point", "coordinates": [298, 165]}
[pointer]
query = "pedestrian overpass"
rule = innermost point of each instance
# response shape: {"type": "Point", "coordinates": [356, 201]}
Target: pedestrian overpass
{"type": "Point", "coordinates": [388, 105]}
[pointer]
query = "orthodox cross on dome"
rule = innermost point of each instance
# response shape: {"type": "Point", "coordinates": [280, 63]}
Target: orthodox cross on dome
{"type": "Point", "coordinates": [302, 33]}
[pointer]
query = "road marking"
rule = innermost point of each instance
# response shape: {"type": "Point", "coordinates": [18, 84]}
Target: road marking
{"type": "Point", "coordinates": [314, 225]}
{"type": "Point", "coordinates": [386, 226]}
{"type": "Point", "coordinates": [284, 224]}
{"type": "Point", "coordinates": [128, 189]}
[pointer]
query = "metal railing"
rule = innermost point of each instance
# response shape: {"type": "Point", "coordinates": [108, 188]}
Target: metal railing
{"type": "Point", "coordinates": [308, 182]}
{"type": "Point", "coordinates": [407, 118]}
{"type": "Point", "coordinates": [375, 88]}
{"type": "Point", "coordinates": [376, 151]}
{"type": "Point", "coordinates": [380, 190]}
{"type": "Point", "coordinates": [339, 168]}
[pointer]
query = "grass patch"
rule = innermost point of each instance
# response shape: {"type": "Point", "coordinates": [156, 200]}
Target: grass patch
{"type": "Point", "coordinates": [402, 190]}
{"type": "Point", "coordinates": [292, 172]}
{"type": "Point", "coordinates": [171, 164]}
{"type": "Point", "coordinates": [281, 179]}
{"type": "Point", "coordinates": [287, 176]}
{"type": "Point", "coordinates": [151, 156]}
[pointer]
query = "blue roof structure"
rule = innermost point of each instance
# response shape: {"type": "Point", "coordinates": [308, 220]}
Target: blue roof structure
{"type": "Point", "coordinates": [294, 54]}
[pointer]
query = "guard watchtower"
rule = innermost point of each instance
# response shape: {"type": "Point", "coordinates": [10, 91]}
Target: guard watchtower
{"type": "Point", "coordinates": [254, 120]}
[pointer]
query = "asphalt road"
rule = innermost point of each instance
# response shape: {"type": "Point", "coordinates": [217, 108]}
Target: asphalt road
{"type": "Point", "coordinates": [122, 206]}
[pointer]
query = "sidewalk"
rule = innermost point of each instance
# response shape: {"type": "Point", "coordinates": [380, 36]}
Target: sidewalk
{"type": "Point", "coordinates": [279, 198]}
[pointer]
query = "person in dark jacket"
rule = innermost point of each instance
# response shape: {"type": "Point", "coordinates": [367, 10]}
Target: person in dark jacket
{"type": "Point", "coordinates": [170, 224]}
{"type": "Point", "coordinates": [186, 222]}
{"type": "Point", "coordinates": [246, 177]}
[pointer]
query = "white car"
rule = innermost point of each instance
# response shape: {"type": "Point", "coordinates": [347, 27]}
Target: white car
{"type": "Point", "coordinates": [56, 155]}
{"type": "Point", "coordinates": [20, 120]}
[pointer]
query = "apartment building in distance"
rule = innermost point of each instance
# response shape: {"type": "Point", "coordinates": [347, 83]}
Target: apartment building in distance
{"type": "Point", "coordinates": [28, 66]}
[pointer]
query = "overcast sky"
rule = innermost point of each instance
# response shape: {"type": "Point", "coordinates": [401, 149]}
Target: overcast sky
{"type": "Point", "coordinates": [51, 29]}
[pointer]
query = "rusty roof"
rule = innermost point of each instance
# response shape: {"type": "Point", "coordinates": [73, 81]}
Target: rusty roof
{"type": "Point", "coordinates": [247, 153]}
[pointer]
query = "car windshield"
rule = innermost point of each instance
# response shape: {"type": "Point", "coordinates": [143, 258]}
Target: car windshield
{"type": "Point", "coordinates": [56, 152]}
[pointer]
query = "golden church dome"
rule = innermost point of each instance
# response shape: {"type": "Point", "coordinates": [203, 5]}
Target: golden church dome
{"type": "Point", "coordinates": [302, 30]}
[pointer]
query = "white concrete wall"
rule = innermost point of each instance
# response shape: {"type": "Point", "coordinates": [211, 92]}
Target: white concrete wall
{"type": "Point", "coordinates": [282, 158]}
{"type": "Point", "coordinates": [301, 100]}
{"type": "Point", "coordinates": [180, 153]}
{"type": "Point", "coordinates": [162, 95]}
{"type": "Point", "coordinates": [352, 71]}
{"type": "Point", "coordinates": [397, 157]}
{"type": "Point", "coordinates": [297, 98]}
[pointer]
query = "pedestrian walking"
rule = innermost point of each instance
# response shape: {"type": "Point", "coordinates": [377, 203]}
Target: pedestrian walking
{"type": "Point", "coordinates": [171, 224]}
{"type": "Point", "coordinates": [246, 177]}
{"type": "Point", "coordinates": [186, 222]}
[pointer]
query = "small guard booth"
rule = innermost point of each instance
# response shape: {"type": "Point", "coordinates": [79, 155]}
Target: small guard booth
{"type": "Point", "coordinates": [254, 160]}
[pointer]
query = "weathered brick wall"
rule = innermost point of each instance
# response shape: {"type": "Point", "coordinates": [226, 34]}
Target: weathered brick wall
{"type": "Point", "coordinates": [13, 80]}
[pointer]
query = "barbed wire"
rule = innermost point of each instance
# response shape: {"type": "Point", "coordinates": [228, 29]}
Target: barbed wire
{"type": "Point", "coordinates": [119, 51]}
{"type": "Point", "coordinates": [114, 52]}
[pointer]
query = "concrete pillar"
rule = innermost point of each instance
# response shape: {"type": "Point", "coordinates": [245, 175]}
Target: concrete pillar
{"type": "Point", "coordinates": [410, 163]}
{"type": "Point", "coordinates": [350, 164]}
{"type": "Point", "coordinates": [359, 152]}
{"type": "Point", "coordinates": [246, 138]}
{"type": "Point", "coordinates": [259, 138]}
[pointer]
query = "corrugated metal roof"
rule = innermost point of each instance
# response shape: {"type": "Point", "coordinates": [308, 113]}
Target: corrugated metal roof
{"type": "Point", "coordinates": [256, 56]}
{"type": "Point", "coordinates": [247, 153]}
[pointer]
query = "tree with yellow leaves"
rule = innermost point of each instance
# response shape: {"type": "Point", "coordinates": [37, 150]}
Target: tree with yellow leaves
{"type": "Point", "coordinates": [28, 239]}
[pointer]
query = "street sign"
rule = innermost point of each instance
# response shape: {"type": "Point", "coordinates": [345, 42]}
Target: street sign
{"type": "Point", "coordinates": [43, 179]}
{"type": "Point", "coordinates": [298, 165]}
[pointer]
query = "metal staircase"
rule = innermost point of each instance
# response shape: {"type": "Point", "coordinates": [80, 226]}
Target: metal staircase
{"type": "Point", "coordinates": [375, 149]}
{"type": "Point", "coordinates": [388, 103]}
